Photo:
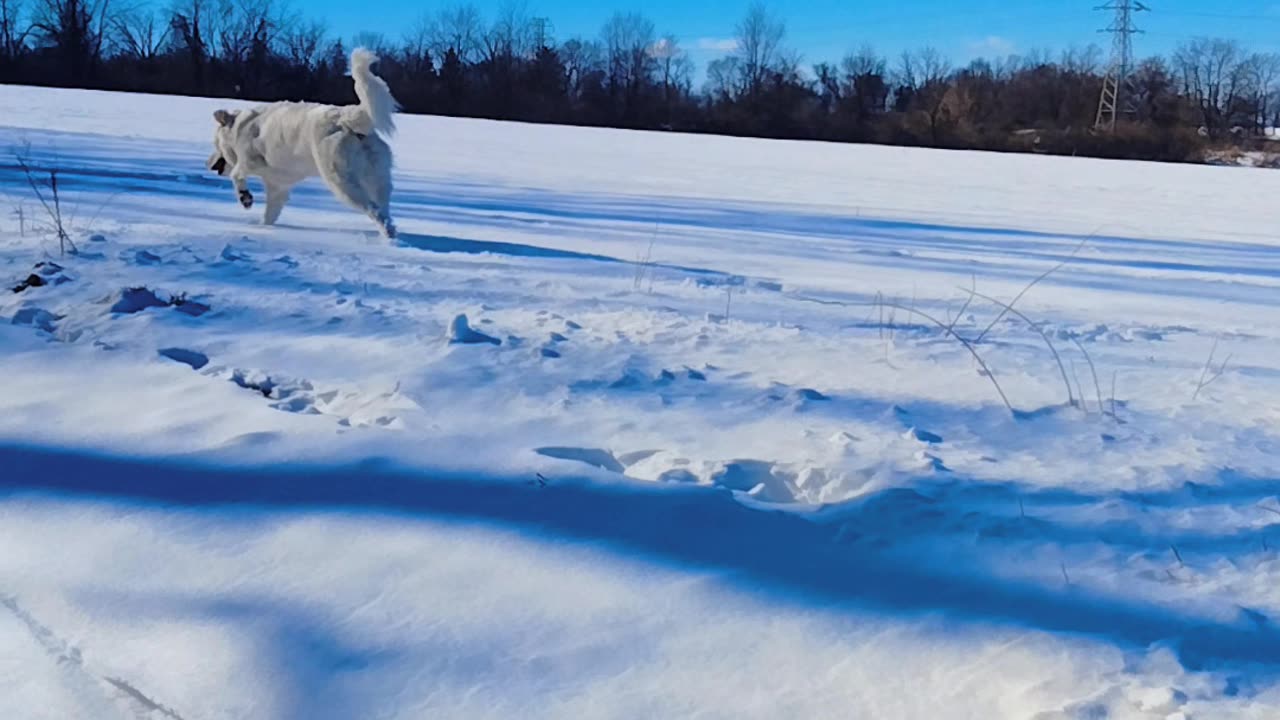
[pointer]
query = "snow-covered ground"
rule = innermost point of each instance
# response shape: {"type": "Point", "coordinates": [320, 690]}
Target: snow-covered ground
{"type": "Point", "coordinates": [711, 456]}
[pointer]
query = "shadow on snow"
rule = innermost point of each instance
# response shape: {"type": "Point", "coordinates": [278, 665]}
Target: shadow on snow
{"type": "Point", "coordinates": [780, 554]}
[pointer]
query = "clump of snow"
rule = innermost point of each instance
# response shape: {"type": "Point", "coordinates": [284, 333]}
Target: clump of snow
{"type": "Point", "coordinates": [45, 273]}
{"type": "Point", "coordinates": [191, 358]}
{"type": "Point", "coordinates": [37, 318]}
{"type": "Point", "coordinates": [131, 301]}
{"type": "Point", "coordinates": [31, 281]}
{"type": "Point", "coordinates": [461, 332]}
{"type": "Point", "coordinates": [134, 300]}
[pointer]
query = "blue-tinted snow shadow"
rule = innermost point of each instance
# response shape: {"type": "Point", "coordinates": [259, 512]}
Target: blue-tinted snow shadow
{"type": "Point", "coordinates": [177, 169]}
{"type": "Point", "coordinates": [310, 661]}
{"type": "Point", "coordinates": [445, 244]}
{"type": "Point", "coordinates": [860, 241]}
{"type": "Point", "coordinates": [785, 556]}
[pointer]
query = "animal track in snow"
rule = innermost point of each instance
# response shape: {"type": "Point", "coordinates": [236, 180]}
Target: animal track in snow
{"type": "Point", "coordinates": [195, 360]}
{"type": "Point", "coordinates": [91, 689]}
{"type": "Point", "coordinates": [130, 301]}
{"type": "Point", "coordinates": [353, 408]}
{"type": "Point", "coordinates": [44, 274]}
{"type": "Point", "coordinates": [37, 318]}
{"type": "Point", "coordinates": [836, 470]}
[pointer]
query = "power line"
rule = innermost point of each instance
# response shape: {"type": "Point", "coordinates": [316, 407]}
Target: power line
{"type": "Point", "coordinates": [1221, 16]}
{"type": "Point", "coordinates": [1116, 96]}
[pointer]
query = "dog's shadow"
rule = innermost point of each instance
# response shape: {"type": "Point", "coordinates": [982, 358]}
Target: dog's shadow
{"type": "Point", "coordinates": [445, 244]}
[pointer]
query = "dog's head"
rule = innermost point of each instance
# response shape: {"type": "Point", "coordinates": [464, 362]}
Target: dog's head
{"type": "Point", "coordinates": [224, 155]}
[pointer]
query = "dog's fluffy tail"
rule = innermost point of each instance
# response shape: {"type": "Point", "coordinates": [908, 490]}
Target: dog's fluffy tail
{"type": "Point", "coordinates": [376, 101]}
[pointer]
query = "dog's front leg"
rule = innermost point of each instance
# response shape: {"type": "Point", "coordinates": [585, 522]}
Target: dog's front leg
{"type": "Point", "coordinates": [240, 179]}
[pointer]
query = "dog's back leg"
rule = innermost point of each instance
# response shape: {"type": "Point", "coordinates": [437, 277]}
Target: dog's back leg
{"type": "Point", "coordinates": [277, 196]}
{"type": "Point", "coordinates": [377, 185]}
{"type": "Point", "coordinates": [343, 167]}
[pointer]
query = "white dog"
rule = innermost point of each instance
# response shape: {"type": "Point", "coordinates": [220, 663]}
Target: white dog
{"type": "Point", "coordinates": [285, 143]}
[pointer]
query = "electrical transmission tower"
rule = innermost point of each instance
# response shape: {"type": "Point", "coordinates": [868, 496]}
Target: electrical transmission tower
{"type": "Point", "coordinates": [543, 32]}
{"type": "Point", "coordinates": [1117, 99]}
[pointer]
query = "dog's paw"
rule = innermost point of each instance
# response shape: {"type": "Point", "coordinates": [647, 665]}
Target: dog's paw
{"type": "Point", "coordinates": [246, 199]}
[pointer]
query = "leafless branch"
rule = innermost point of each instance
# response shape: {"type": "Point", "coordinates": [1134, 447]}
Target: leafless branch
{"type": "Point", "coordinates": [1009, 309]}
{"type": "Point", "coordinates": [51, 204]}
{"type": "Point", "coordinates": [1033, 283]}
{"type": "Point", "coordinates": [1211, 374]}
{"type": "Point", "coordinates": [986, 369]}
{"type": "Point", "coordinates": [1096, 385]}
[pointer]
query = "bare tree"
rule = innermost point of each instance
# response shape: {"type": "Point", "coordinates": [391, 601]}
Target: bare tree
{"type": "Point", "coordinates": [628, 38]}
{"type": "Point", "coordinates": [415, 50]}
{"type": "Point", "coordinates": [580, 59]}
{"type": "Point", "coordinates": [722, 78]}
{"type": "Point", "coordinates": [13, 33]}
{"type": "Point", "coordinates": [917, 70]}
{"type": "Point", "coordinates": [828, 85]}
{"type": "Point", "coordinates": [1154, 88]}
{"type": "Point", "coordinates": [923, 77]}
{"type": "Point", "coordinates": [1005, 68]}
{"type": "Point", "coordinates": [458, 28]}
{"type": "Point", "coordinates": [674, 70]}
{"type": "Point", "coordinates": [1262, 73]}
{"type": "Point", "coordinates": [1211, 73]}
{"type": "Point", "coordinates": [907, 74]}
{"type": "Point", "coordinates": [242, 25]}
{"type": "Point", "coordinates": [866, 61]}
{"type": "Point", "coordinates": [1082, 61]}
{"type": "Point", "coordinates": [140, 34]}
{"type": "Point", "coordinates": [934, 66]}
{"type": "Point", "coordinates": [76, 30]}
{"type": "Point", "coordinates": [192, 26]}
{"type": "Point", "coordinates": [864, 82]}
{"type": "Point", "coordinates": [760, 51]}
{"type": "Point", "coordinates": [247, 35]}
{"type": "Point", "coordinates": [512, 34]}
{"type": "Point", "coordinates": [303, 43]}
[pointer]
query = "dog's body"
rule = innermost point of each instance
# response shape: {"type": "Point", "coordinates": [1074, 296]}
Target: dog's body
{"type": "Point", "coordinates": [285, 143]}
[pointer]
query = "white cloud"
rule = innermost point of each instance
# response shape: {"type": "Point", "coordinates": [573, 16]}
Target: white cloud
{"type": "Point", "coordinates": [723, 45]}
{"type": "Point", "coordinates": [993, 46]}
{"type": "Point", "coordinates": [664, 49]}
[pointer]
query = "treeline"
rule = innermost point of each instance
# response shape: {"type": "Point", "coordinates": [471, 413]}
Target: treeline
{"type": "Point", "coordinates": [456, 62]}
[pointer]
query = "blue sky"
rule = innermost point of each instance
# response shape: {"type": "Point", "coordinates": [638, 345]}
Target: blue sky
{"type": "Point", "coordinates": [826, 29]}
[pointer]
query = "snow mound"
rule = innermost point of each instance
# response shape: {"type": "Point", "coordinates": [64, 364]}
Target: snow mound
{"type": "Point", "coordinates": [461, 333]}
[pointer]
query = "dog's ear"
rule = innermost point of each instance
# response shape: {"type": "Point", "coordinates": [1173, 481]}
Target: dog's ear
{"type": "Point", "coordinates": [224, 117]}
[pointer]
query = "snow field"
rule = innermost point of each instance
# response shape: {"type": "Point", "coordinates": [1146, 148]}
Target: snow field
{"type": "Point", "coordinates": [289, 481]}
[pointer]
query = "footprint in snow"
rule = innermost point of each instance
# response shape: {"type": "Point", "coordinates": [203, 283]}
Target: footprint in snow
{"type": "Point", "coordinates": [131, 301]}
{"type": "Point", "coordinates": [45, 273]}
{"type": "Point", "coordinates": [37, 318]}
{"type": "Point", "coordinates": [594, 457]}
{"type": "Point", "coordinates": [925, 436]}
{"type": "Point", "coordinates": [190, 358]}
{"type": "Point", "coordinates": [146, 257]}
